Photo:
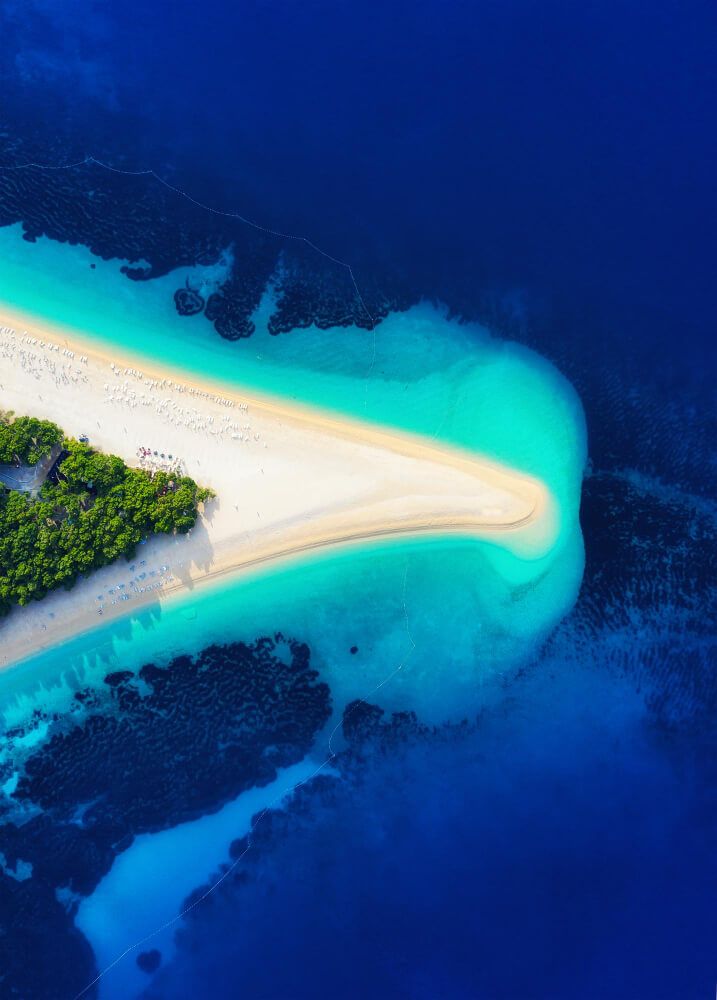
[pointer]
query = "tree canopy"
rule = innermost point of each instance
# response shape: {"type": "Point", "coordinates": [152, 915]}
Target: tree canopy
{"type": "Point", "coordinates": [26, 439]}
{"type": "Point", "coordinates": [98, 510]}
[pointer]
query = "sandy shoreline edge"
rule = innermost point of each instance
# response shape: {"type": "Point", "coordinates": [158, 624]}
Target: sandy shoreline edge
{"type": "Point", "coordinates": [290, 478]}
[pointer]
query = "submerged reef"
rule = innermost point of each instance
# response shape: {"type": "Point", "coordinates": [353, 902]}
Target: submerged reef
{"type": "Point", "coordinates": [398, 786]}
{"type": "Point", "coordinates": [649, 597]}
{"type": "Point", "coordinates": [134, 217]}
{"type": "Point", "coordinates": [141, 753]}
{"type": "Point", "coordinates": [188, 302]}
{"type": "Point", "coordinates": [617, 360]}
{"type": "Point", "coordinates": [178, 741]}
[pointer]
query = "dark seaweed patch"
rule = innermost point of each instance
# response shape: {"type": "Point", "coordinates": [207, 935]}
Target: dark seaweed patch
{"type": "Point", "coordinates": [130, 216]}
{"type": "Point", "coordinates": [170, 745]}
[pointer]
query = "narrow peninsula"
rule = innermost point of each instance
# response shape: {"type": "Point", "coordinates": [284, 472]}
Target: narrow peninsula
{"type": "Point", "coordinates": [288, 479]}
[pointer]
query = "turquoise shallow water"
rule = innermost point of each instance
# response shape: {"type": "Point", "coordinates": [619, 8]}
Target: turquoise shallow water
{"type": "Point", "coordinates": [440, 617]}
{"type": "Point", "coordinates": [563, 845]}
{"type": "Point", "coordinates": [120, 912]}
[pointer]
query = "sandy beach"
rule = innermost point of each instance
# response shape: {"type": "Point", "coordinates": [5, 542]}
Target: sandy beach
{"type": "Point", "coordinates": [289, 479]}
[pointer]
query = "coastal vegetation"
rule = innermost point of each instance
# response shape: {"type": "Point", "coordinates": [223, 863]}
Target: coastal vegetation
{"type": "Point", "coordinates": [92, 510]}
{"type": "Point", "coordinates": [26, 439]}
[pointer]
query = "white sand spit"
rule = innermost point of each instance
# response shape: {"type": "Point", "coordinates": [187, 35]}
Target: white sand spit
{"type": "Point", "coordinates": [288, 478]}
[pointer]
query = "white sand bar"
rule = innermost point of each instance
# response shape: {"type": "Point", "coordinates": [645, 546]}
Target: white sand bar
{"type": "Point", "coordinates": [288, 478]}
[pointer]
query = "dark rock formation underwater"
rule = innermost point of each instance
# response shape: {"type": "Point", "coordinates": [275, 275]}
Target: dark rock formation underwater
{"type": "Point", "coordinates": [547, 169]}
{"type": "Point", "coordinates": [583, 788]}
{"type": "Point", "coordinates": [151, 751]}
{"type": "Point", "coordinates": [642, 634]}
{"type": "Point", "coordinates": [561, 844]}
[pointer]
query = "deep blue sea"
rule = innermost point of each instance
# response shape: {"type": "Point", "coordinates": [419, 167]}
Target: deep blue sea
{"type": "Point", "coordinates": [547, 170]}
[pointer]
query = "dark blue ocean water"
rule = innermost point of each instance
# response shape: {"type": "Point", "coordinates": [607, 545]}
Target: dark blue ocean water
{"type": "Point", "coordinates": [548, 168]}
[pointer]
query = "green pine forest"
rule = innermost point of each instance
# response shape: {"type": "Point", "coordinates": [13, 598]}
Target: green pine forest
{"type": "Point", "coordinates": [98, 510]}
